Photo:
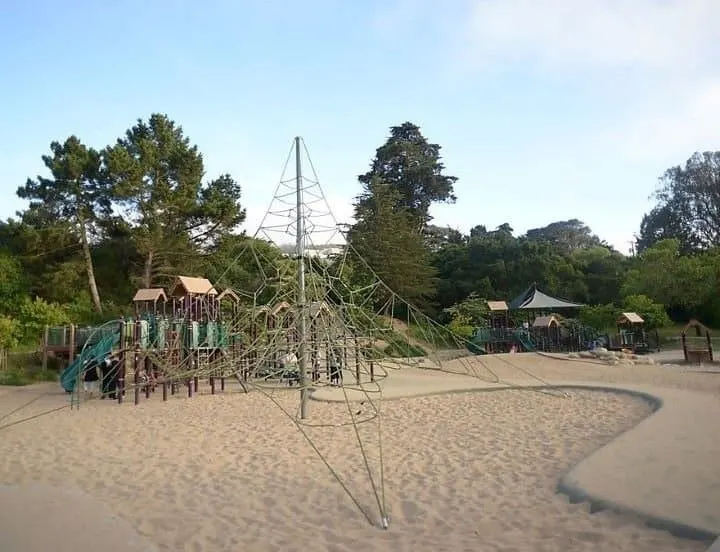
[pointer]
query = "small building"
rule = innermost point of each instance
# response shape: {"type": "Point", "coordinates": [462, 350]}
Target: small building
{"type": "Point", "coordinates": [188, 286]}
{"type": "Point", "coordinates": [698, 348]}
{"type": "Point", "coordinates": [498, 314]}
{"type": "Point", "coordinates": [546, 322]}
{"type": "Point", "coordinates": [631, 334]}
{"type": "Point", "coordinates": [146, 300]}
{"type": "Point", "coordinates": [629, 320]}
{"type": "Point", "coordinates": [194, 299]}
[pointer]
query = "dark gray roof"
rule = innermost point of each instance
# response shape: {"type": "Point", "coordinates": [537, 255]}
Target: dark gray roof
{"type": "Point", "coordinates": [534, 299]}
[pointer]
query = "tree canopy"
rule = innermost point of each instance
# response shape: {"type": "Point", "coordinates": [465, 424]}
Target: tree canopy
{"type": "Point", "coordinates": [688, 206]}
{"type": "Point", "coordinates": [139, 211]}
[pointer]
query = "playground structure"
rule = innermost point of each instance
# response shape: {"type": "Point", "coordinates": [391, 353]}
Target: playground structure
{"type": "Point", "coordinates": [632, 336]}
{"type": "Point", "coordinates": [697, 349]}
{"type": "Point", "coordinates": [295, 324]}
{"type": "Point", "coordinates": [201, 335]}
{"type": "Point", "coordinates": [541, 330]}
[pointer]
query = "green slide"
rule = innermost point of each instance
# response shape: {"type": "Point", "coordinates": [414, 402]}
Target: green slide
{"type": "Point", "coordinates": [524, 340]}
{"type": "Point", "coordinates": [89, 356]}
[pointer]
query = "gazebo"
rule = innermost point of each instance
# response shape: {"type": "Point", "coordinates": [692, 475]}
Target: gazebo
{"type": "Point", "coordinates": [532, 299]}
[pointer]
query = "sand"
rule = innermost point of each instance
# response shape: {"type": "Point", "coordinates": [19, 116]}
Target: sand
{"type": "Point", "coordinates": [466, 471]}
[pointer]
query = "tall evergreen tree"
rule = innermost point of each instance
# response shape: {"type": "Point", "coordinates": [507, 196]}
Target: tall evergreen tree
{"type": "Point", "coordinates": [76, 191]}
{"type": "Point", "coordinates": [385, 238]}
{"type": "Point", "coordinates": [157, 178]}
{"type": "Point", "coordinates": [411, 165]}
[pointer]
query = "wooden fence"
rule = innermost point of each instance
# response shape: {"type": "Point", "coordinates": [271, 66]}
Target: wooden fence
{"type": "Point", "coordinates": [3, 360]}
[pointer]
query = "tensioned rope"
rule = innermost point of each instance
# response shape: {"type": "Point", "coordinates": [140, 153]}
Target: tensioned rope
{"type": "Point", "coordinates": [352, 327]}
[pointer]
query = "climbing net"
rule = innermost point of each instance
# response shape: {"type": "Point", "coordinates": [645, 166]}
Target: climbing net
{"type": "Point", "coordinates": [338, 331]}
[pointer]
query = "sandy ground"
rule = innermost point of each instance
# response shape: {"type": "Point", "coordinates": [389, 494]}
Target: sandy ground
{"type": "Point", "coordinates": [468, 471]}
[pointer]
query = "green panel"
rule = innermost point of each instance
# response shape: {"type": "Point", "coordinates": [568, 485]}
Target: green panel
{"type": "Point", "coordinates": [222, 339]}
{"type": "Point", "coordinates": [211, 331]}
{"type": "Point", "coordinates": [192, 335]}
{"type": "Point", "coordinates": [144, 337]}
{"type": "Point", "coordinates": [161, 332]}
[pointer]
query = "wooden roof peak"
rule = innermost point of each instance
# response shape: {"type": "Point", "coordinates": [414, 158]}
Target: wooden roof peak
{"type": "Point", "coordinates": [695, 323]}
{"type": "Point", "coordinates": [631, 317]}
{"type": "Point", "coordinates": [497, 305]}
{"type": "Point", "coordinates": [149, 294]}
{"type": "Point", "coordinates": [188, 285]}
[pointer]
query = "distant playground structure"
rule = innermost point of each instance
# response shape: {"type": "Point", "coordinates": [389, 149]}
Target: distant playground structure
{"type": "Point", "coordinates": [697, 349]}
{"type": "Point", "coordinates": [536, 325]}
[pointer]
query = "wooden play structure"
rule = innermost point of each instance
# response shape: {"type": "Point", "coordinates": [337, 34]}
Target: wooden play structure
{"type": "Point", "coordinates": [697, 349]}
{"type": "Point", "coordinates": [631, 334]}
{"type": "Point", "coordinates": [528, 323]}
{"type": "Point", "coordinates": [195, 333]}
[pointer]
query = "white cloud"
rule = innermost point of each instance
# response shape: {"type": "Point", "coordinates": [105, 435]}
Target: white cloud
{"type": "Point", "coordinates": [582, 33]}
{"type": "Point", "coordinates": [660, 59]}
{"type": "Point", "coordinates": [671, 131]}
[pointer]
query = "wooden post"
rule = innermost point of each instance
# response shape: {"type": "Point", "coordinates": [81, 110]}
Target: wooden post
{"type": "Point", "coordinates": [165, 390]}
{"type": "Point", "coordinates": [46, 337]}
{"type": "Point", "coordinates": [71, 352]}
{"type": "Point", "coordinates": [684, 346]}
{"type": "Point", "coordinates": [122, 360]}
{"type": "Point", "coordinates": [148, 370]}
{"type": "Point", "coordinates": [709, 345]}
{"type": "Point", "coordinates": [212, 385]}
{"type": "Point", "coordinates": [372, 371]}
{"type": "Point", "coordinates": [222, 383]}
{"type": "Point", "coordinates": [190, 388]}
{"type": "Point", "coordinates": [196, 383]}
{"type": "Point", "coordinates": [357, 360]}
{"type": "Point", "coordinates": [136, 377]}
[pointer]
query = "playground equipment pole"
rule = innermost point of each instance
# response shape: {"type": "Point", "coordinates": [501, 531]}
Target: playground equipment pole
{"type": "Point", "coordinates": [300, 246]}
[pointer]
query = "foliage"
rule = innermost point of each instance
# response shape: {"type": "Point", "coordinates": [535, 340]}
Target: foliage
{"type": "Point", "coordinates": [385, 239]}
{"type": "Point", "coordinates": [9, 333]}
{"type": "Point", "coordinates": [566, 235]}
{"type": "Point", "coordinates": [675, 280]}
{"type": "Point", "coordinates": [77, 192]}
{"type": "Point", "coordinates": [140, 212]}
{"type": "Point", "coordinates": [600, 317]}
{"type": "Point", "coordinates": [35, 314]}
{"type": "Point", "coordinates": [11, 282]}
{"type": "Point", "coordinates": [688, 206]}
{"type": "Point", "coordinates": [156, 176]}
{"type": "Point", "coordinates": [652, 313]}
{"type": "Point", "coordinates": [410, 165]}
{"type": "Point", "coordinates": [470, 312]}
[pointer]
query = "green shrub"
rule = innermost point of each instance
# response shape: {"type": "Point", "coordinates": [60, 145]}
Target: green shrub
{"type": "Point", "coordinates": [35, 314]}
{"type": "Point", "coordinates": [9, 333]}
{"type": "Point", "coordinates": [653, 314]}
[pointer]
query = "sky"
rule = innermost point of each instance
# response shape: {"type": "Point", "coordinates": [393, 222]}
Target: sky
{"type": "Point", "coordinates": [545, 110]}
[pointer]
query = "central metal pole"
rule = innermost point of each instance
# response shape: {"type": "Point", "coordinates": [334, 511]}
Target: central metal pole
{"type": "Point", "coordinates": [300, 253]}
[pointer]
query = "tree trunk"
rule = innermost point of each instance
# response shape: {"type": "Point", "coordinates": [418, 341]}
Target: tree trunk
{"type": "Point", "coordinates": [94, 294]}
{"type": "Point", "coordinates": [147, 272]}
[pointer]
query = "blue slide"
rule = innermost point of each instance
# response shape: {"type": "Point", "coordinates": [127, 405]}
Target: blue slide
{"type": "Point", "coordinates": [90, 356]}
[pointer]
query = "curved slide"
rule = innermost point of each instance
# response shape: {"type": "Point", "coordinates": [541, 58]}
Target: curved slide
{"type": "Point", "coordinates": [524, 340]}
{"type": "Point", "coordinates": [89, 355]}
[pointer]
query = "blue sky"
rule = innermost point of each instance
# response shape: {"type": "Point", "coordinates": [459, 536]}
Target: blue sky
{"type": "Point", "coordinates": [545, 110]}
